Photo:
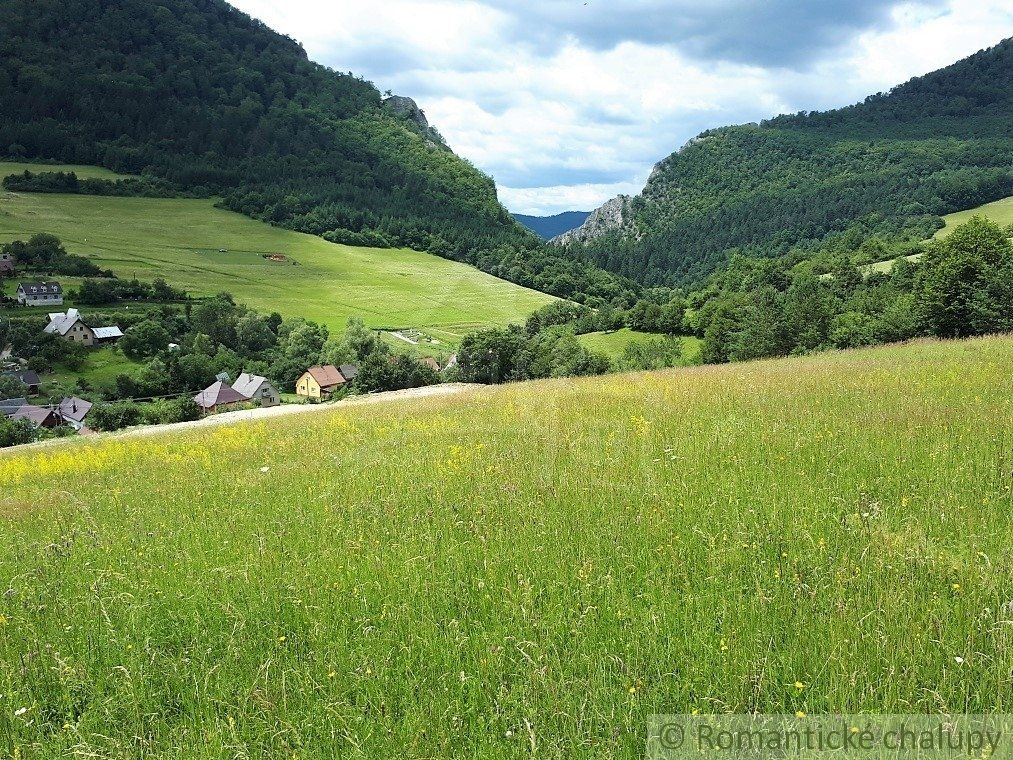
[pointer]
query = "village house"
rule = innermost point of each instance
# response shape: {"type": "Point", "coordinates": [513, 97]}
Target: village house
{"type": "Point", "coordinates": [40, 294]}
{"type": "Point", "coordinates": [320, 382]}
{"type": "Point", "coordinates": [431, 363]}
{"type": "Point", "coordinates": [219, 397]}
{"type": "Point", "coordinates": [348, 371]}
{"type": "Point", "coordinates": [29, 378]}
{"type": "Point", "coordinates": [71, 327]}
{"type": "Point", "coordinates": [6, 264]}
{"type": "Point", "coordinates": [258, 389]}
{"type": "Point", "coordinates": [73, 410]}
{"type": "Point", "coordinates": [38, 416]}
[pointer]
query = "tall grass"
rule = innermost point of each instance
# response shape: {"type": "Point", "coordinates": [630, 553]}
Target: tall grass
{"type": "Point", "coordinates": [527, 569]}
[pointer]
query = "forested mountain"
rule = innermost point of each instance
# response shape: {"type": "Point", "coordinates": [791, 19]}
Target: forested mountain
{"type": "Point", "coordinates": [199, 94]}
{"type": "Point", "coordinates": [551, 226]}
{"type": "Point", "coordinates": [888, 167]}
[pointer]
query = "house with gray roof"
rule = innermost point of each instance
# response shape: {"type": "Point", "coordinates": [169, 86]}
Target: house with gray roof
{"type": "Point", "coordinates": [73, 410]}
{"type": "Point", "coordinates": [258, 389]}
{"type": "Point", "coordinates": [40, 294]}
{"type": "Point", "coordinates": [70, 327]}
{"type": "Point", "coordinates": [38, 416]}
{"type": "Point", "coordinates": [218, 398]}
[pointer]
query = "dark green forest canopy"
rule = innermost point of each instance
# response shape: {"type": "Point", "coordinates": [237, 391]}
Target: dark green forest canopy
{"type": "Point", "coordinates": [199, 94]}
{"type": "Point", "coordinates": [889, 166]}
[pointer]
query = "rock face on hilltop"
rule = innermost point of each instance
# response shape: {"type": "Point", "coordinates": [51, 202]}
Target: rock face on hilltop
{"type": "Point", "coordinates": [406, 108]}
{"type": "Point", "coordinates": [614, 215]}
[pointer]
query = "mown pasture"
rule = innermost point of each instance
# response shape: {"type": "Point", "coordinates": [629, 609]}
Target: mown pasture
{"type": "Point", "coordinates": [530, 569]}
{"type": "Point", "coordinates": [206, 250]}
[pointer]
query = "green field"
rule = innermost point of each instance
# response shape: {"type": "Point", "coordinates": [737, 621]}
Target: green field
{"type": "Point", "coordinates": [531, 569]}
{"type": "Point", "coordinates": [206, 250]}
{"type": "Point", "coordinates": [614, 343]}
{"type": "Point", "coordinates": [1000, 212]}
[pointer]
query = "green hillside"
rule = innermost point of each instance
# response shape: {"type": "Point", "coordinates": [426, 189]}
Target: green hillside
{"type": "Point", "coordinates": [887, 167]}
{"type": "Point", "coordinates": [596, 551]}
{"type": "Point", "coordinates": [1000, 212]}
{"type": "Point", "coordinates": [199, 95]}
{"type": "Point", "coordinates": [206, 250]}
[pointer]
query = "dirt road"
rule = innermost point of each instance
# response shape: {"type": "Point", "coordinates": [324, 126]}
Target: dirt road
{"type": "Point", "coordinates": [227, 418]}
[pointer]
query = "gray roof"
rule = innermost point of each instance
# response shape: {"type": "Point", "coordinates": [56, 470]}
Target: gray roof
{"type": "Point", "coordinates": [74, 408]}
{"type": "Point", "coordinates": [9, 406]}
{"type": "Point", "coordinates": [107, 333]}
{"type": "Point", "coordinates": [248, 384]}
{"type": "Point", "coordinates": [61, 323]}
{"type": "Point", "coordinates": [218, 394]}
{"type": "Point", "coordinates": [36, 414]}
{"type": "Point", "coordinates": [28, 376]}
{"type": "Point", "coordinates": [348, 371]}
{"type": "Point", "coordinates": [41, 288]}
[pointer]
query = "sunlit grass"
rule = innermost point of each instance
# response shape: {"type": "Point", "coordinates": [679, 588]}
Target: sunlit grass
{"type": "Point", "coordinates": [205, 250]}
{"type": "Point", "coordinates": [530, 567]}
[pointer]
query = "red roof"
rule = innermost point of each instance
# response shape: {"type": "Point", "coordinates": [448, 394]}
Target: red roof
{"type": "Point", "coordinates": [327, 376]}
{"type": "Point", "coordinates": [218, 395]}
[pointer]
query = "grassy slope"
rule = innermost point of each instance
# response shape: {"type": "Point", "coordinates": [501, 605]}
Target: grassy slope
{"type": "Point", "coordinates": [588, 553]}
{"type": "Point", "coordinates": [612, 344]}
{"type": "Point", "coordinates": [1000, 212]}
{"type": "Point", "coordinates": [180, 241]}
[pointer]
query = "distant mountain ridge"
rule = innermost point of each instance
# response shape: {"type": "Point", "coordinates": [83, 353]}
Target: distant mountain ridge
{"type": "Point", "coordinates": [890, 166]}
{"type": "Point", "coordinates": [550, 226]}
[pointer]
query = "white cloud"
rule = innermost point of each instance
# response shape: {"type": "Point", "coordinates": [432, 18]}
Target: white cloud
{"type": "Point", "coordinates": [566, 115]}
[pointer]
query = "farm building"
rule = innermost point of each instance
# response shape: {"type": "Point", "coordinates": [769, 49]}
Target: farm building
{"type": "Point", "coordinates": [40, 294]}
{"type": "Point", "coordinates": [431, 363]}
{"type": "Point", "coordinates": [219, 397]}
{"type": "Point", "coordinates": [6, 264]}
{"type": "Point", "coordinates": [73, 410]}
{"type": "Point", "coordinates": [348, 371]}
{"type": "Point", "coordinates": [258, 389]}
{"type": "Point", "coordinates": [320, 382]}
{"type": "Point", "coordinates": [38, 416]}
{"type": "Point", "coordinates": [28, 378]}
{"type": "Point", "coordinates": [71, 326]}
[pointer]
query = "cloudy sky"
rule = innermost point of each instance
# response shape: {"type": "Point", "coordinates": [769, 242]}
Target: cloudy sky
{"type": "Point", "coordinates": [568, 103]}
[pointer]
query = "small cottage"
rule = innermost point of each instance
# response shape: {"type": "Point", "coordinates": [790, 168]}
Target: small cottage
{"type": "Point", "coordinates": [258, 389]}
{"type": "Point", "coordinates": [70, 327]}
{"type": "Point", "coordinates": [431, 363]}
{"type": "Point", "coordinates": [219, 398]}
{"type": "Point", "coordinates": [40, 294]}
{"type": "Point", "coordinates": [320, 382]}
{"type": "Point", "coordinates": [73, 410]}
{"type": "Point", "coordinates": [6, 264]}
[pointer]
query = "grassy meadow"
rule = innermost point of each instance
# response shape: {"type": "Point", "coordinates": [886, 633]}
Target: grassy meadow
{"type": "Point", "coordinates": [1000, 212]}
{"type": "Point", "coordinates": [523, 570]}
{"type": "Point", "coordinates": [206, 250]}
